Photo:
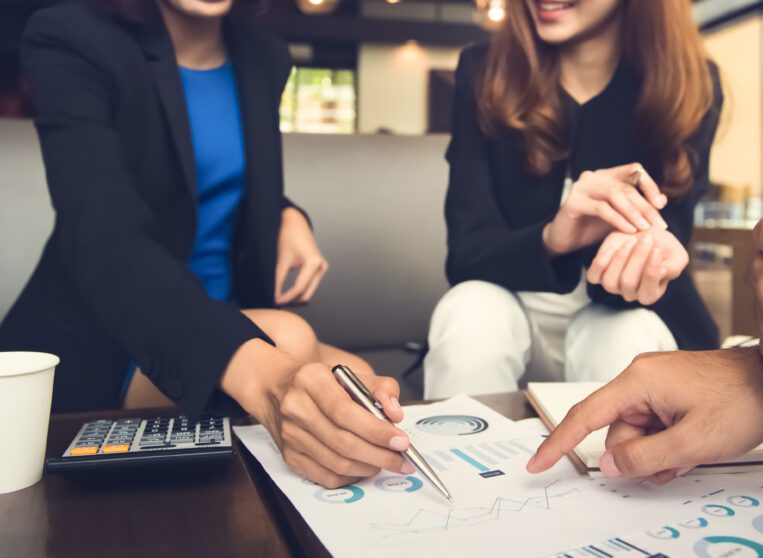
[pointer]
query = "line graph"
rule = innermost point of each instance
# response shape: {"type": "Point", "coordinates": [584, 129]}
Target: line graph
{"type": "Point", "coordinates": [427, 521]}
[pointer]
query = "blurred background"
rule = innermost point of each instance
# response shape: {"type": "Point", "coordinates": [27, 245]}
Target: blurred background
{"type": "Point", "coordinates": [366, 115]}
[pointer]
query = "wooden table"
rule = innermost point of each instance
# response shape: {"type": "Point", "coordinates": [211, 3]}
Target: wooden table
{"type": "Point", "coordinates": [216, 512]}
{"type": "Point", "coordinates": [743, 319]}
{"type": "Point", "coordinates": [232, 511]}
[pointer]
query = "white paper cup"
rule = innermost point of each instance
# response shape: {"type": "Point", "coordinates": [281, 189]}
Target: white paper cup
{"type": "Point", "coordinates": [26, 390]}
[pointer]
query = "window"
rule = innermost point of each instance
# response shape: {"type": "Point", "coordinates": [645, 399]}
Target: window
{"type": "Point", "coordinates": [319, 101]}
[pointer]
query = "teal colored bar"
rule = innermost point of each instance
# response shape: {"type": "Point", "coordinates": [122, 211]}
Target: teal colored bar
{"type": "Point", "coordinates": [470, 460]}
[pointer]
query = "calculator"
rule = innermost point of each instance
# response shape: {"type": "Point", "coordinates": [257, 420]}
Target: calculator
{"type": "Point", "coordinates": [129, 442]}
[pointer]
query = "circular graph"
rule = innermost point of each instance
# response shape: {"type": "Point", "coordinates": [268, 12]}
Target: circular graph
{"type": "Point", "coordinates": [743, 501]}
{"type": "Point", "coordinates": [712, 547]}
{"type": "Point", "coordinates": [665, 533]}
{"type": "Point", "coordinates": [698, 523]}
{"type": "Point", "coordinates": [718, 511]}
{"type": "Point", "coordinates": [344, 495]}
{"type": "Point", "coordinates": [398, 484]}
{"type": "Point", "coordinates": [452, 425]}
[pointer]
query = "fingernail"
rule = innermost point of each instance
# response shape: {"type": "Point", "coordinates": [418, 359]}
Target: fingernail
{"type": "Point", "coordinates": [685, 470]}
{"type": "Point", "coordinates": [395, 404]}
{"type": "Point", "coordinates": [407, 468]}
{"type": "Point", "coordinates": [643, 224]}
{"type": "Point", "coordinates": [608, 466]}
{"type": "Point", "coordinates": [663, 200]}
{"type": "Point", "coordinates": [399, 443]}
{"type": "Point", "coordinates": [663, 223]}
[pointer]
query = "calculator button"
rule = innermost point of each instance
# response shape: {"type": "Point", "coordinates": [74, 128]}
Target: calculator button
{"type": "Point", "coordinates": [85, 450]}
{"type": "Point", "coordinates": [116, 448]}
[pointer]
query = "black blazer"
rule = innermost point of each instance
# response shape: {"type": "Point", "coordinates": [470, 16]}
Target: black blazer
{"type": "Point", "coordinates": [496, 211]}
{"type": "Point", "coordinates": [112, 283]}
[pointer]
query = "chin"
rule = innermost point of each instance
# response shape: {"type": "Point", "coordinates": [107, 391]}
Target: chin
{"type": "Point", "coordinates": [556, 35]}
{"type": "Point", "coordinates": [560, 21]}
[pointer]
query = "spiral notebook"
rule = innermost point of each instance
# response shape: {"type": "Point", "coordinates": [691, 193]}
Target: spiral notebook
{"type": "Point", "coordinates": [552, 401]}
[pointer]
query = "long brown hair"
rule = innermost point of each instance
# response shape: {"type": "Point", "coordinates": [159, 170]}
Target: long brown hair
{"type": "Point", "coordinates": [661, 43]}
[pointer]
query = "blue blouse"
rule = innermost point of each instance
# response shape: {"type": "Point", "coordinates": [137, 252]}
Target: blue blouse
{"type": "Point", "coordinates": [218, 147]}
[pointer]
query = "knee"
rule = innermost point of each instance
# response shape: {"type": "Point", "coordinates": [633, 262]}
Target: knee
{"type": "Point", "coordinates": [291, 333]}
{"type": "Point", "coordinates": [478, 309]}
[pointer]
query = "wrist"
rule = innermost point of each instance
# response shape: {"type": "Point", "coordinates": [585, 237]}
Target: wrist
{"type": "Point", "coordinates": [551, 249]}
{"type": "Point", "coordinates": [255, 377]}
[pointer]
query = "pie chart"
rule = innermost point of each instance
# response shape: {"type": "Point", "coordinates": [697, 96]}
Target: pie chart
{"type": "Point", "coordinates": [343, 495]}
{"type": "Point", "coordinates": [398, 484]}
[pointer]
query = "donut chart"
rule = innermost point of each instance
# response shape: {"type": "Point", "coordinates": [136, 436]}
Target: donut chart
{"type": "Point", "coordinates": [665, 533]}
{"type": "Point", "coordinates": [743, 501]}
{"type": "Point", "coordinates": [452, 425]}
{"type": "Point", "coordinates": [398, 484]}
{"type": "Point", "coordinates": [343, 495]}
{"type": "Point", "coordinates": [698, 523]}
{"type": "Point", "coordinates": [718, 510]}
{"type": "Point", "coordinates": [711, 547]}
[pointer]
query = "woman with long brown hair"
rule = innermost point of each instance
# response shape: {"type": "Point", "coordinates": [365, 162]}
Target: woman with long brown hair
{"type": "Point", "coordinates": [581, 138]}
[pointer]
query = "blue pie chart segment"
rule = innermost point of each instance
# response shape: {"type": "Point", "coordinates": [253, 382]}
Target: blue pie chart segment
{"type": "Point", "coordinates": [343, 495]}
{"type": "Point", "coordinates": [665, 533]}
{"type": "Point", "coordinates": [718, 510]}
{"type": "Point", "coordinates": [743, 501]}
{"type": "Point", "coordinates": [398, 484]}
{"type": "Point", "coordinates": [698, 523]}
{"type": "Point", "coordinates": [715, 547]}
{"type": "Point", "coordinates": [758, 523]}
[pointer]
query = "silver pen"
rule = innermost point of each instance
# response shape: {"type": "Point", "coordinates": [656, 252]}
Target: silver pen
{"type": "Point", "coordinates": [359, 392]}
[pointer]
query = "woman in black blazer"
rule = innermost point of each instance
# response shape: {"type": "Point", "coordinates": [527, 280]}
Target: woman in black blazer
{"type": "Point", "coordinates": [123, 140]}
{"type": "Point", "coordinates": [559, 126]}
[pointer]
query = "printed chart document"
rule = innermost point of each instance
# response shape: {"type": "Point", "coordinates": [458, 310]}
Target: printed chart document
{"type": "Point", "coordinates": [499, 509]}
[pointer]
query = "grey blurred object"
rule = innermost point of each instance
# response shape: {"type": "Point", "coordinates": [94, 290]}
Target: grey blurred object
{"type": "Point", "coordinates": [376, 203]}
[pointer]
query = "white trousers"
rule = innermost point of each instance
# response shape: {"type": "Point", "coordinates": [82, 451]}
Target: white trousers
{"type": "Point", "coordinates": [483, 339]}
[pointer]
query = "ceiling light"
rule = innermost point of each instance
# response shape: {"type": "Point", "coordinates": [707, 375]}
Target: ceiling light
{"type": "Point", "coordinates": [317, 7]}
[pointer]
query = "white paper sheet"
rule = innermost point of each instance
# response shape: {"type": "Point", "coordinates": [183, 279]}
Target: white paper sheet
{"type": "Point", "coordinates": [499, 510]}
{"type": "Point", "coordinates": [726, 524]}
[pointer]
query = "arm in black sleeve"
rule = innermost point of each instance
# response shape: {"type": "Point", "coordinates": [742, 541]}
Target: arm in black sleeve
{"type": "Point", "coordinates": [146, 298]}
{"type": "Point", "coordinates": [679, 213]}
{"type": "Point", "coordinates": [481, 245]}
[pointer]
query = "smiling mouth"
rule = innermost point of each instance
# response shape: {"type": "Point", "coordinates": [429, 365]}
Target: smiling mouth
{"type": "Point", "coordinates": [552, 6]}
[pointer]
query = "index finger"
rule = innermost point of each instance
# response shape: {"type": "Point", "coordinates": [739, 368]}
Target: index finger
{"type": "Point", "coordinates": [626, 173]}
{"type": "Point", "coordinates": [301, 283]}
{"type": "Point", "coordinates": [650, 189]}
{"type": "Point", "coordinates": [600, 409]}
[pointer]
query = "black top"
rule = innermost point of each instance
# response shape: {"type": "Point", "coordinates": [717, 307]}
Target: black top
{"type": "Point", "coordinates": [496, 211]}
{"type": "Point", "coordinates": [113, 283]}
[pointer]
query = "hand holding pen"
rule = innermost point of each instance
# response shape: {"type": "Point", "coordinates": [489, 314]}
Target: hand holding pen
{"type": "Point", "coordinates": [327, 437]}
{"type": "Point", "coordinates": [360, 393]}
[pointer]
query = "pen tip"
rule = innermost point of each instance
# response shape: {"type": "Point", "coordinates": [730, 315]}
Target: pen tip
{"type": "Point", "coordinates": [452, 501]}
